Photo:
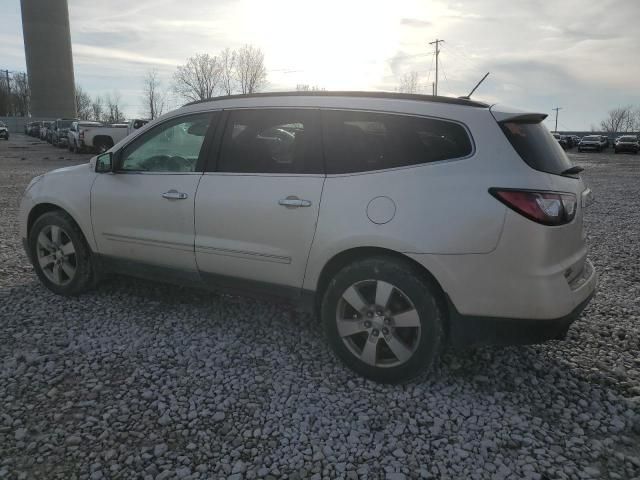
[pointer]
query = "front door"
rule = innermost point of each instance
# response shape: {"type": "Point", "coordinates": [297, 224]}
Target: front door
{"type": "Point", "coordinates": [144, 211]}
{"type": "Point", "coordinates": [256, 212]}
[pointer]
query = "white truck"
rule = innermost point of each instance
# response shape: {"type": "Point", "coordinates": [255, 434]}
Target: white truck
{"type": "Point", "coordinates": [102, 138]}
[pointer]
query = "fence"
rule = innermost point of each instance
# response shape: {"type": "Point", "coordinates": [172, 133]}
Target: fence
{"type": "Point", "coordinates": [16, 124]}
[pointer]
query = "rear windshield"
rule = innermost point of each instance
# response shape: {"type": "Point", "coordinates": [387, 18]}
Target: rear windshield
{"type": "Point", "coordinates": [628, 139]}
{"type": "Point", "coordinates": [536, 146]}
{"type": "Point", "coordinates": [64, 124]}
{"type": "Point", "coordinates": [592, 138]}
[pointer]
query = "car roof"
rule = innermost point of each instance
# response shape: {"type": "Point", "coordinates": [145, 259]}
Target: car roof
{"type": "Point", "coordinates": [358, 94]}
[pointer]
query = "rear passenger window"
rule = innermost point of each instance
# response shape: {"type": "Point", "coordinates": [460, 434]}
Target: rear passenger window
{"type": "Point", "coordinates": [271, 141]}
{"type": "Point", "coordinates": [362, 141]}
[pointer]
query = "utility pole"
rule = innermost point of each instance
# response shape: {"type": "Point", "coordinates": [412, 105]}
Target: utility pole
{"type": "Point", "coordinates": [556, 109]}
{"type": "Point", "coordinates": [437, 44]}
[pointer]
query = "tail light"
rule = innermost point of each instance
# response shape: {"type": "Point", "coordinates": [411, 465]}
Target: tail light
{"type": "Point", "coordinates": [547, 208]}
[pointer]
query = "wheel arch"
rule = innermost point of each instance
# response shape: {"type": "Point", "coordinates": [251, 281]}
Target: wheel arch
{"type": "Point", "coordinates": [106, 139]}
{"type": "Point", "coordinates": [41, 208]}
{"type": "Point", "coordinates": [346, 257]}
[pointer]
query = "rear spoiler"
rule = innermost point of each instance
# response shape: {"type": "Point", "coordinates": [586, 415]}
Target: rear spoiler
{"type": "Point", "coordinates": [504, 113]}
{"type": "Point", "coordinates": [526, 118]}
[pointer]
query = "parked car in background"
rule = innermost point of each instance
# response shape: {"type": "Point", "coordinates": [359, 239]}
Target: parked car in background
{"type": "Point", "coordinates": [4, 131]}
{"type": "Point", "coordinates": [76, 134]}
{"type": "Point", "coordinates": [59, 135]}
{"type": "Point", "coordinates": [363, 206]}
{"type": "Point", "coordinates": [44, 130]}
{"type": "Point", "coordinates": [102, 138]}
{"type": "Point", "coordinates": [604, 142]}
{"type": "Point", "coordinates": [590, 142]}
{"type": "Point", "coordinates": [576, 140]}
{"type": "Point", "coordinates": [627, 143]}
{"type": "Point", "coordinates": [561, 139]}
{"type": "Point", "coordinates": [568, 140]}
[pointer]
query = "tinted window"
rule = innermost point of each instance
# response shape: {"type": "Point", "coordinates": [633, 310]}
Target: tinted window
{"type": "Point", "coordinates": [536, 146]}
{"type": "Point", "coordinates": [271, 141]}
{"type": "Point", "coordinates": [361, 141]}
{"type": "Point", "coordinates": [173, 146]}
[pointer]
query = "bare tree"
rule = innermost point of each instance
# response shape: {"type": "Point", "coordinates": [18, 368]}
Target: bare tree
{"type": "Point", "coordinates": [113, 113]}
{"type": "Point", "coordinates": [615, 120]}
{"type": "Point", "coordinates": [227, 74]}
{"type": "Point", "coordinates": [83, 104]}
{"type": "Point", "coordinates": [97, 109]}
{"type": "Point", "coordinates": [199, 78]}
{"type": "Point", "coordinates": [155, 99]}
{"type": "Point", "coordinates": [409, 83]}
{"type": "Point", "coordinates": [21, 95]}
{"type": "Point", "coordinates": [250, 72]}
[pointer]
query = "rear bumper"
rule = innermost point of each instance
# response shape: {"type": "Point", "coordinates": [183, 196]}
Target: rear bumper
{"type": "Point", "coordinates": [466, 330]}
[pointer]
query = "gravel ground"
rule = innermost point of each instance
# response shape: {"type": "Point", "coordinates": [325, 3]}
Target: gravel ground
{"type": "Point", "coordinates": [142, 380]}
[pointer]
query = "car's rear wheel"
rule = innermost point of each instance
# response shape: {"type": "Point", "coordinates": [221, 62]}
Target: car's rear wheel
{"type": "Point", "coordinates": [383, 320]}
{"type": "Point", "coordinates": [60, 254]}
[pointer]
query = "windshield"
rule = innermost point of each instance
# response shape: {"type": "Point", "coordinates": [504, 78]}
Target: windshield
{"type": "Point", "coordinates": [591, 138]}
{"type": "Point", "coordinates": [536, 146]}
{"type": "Point", "coordinates": [628, 139]}
{"type": "Point", "coordinates": [64, 124]}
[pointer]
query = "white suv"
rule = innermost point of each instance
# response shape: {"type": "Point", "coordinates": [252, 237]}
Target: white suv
{"type": "Point", "coordinates": [406, 221]}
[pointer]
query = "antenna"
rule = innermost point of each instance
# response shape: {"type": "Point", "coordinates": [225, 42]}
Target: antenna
{"type": "Point", "coordinates": [477, 85]}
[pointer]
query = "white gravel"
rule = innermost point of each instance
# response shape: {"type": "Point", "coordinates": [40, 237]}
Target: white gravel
{"type": "Point", "coordinates": [142, 380]}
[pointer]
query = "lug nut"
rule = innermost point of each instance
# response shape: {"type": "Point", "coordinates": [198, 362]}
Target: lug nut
{"type": "Point", "coordinates": [370, 314]}
{"type": "Point", "coordinates": [379, 313]}
{"type": "Point", "coordinates": [375, 332]}
{"type": "Point", "coordinates": [385, 331]}
{"type": "Point", "coordinates": [367, 324]}
{"type": "Point", "coordinates": [387, 321]}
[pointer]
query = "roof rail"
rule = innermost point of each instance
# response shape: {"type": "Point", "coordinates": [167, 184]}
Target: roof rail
{"type": "Point", "coordinates": [359, 94]}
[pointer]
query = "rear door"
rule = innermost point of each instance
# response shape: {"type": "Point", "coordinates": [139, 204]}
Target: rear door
{"type": "Point", "coordinates": [256, 211]}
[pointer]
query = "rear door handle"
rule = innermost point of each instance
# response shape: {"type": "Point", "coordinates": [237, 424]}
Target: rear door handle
{"type": "Point", "coordinates": [294, 202]}
{"type": "Point", "coordinates": [174, 195]}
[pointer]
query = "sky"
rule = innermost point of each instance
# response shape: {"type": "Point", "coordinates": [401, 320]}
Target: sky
{"type": "Point", "coordinates": [578, 55]}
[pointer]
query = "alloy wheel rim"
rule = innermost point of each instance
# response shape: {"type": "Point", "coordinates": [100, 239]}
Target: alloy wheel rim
{"type": "Point", "coordinates": [378, 323]}
{"type": "Point", "coordinates": [56, 255]}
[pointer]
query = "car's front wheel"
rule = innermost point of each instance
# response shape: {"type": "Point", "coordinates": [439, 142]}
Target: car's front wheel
{"type": "Point", "coordinates": [60, 254]}
{"type": "Point", "coordinates": [383, 320]}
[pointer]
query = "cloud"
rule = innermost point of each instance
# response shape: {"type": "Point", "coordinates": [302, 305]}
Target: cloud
{"type": "Point", "coordinates": [415, 22]}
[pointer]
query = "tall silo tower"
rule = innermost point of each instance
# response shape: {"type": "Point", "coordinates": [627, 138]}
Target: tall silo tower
{"type": "Point", "coordinates": [47, 46]}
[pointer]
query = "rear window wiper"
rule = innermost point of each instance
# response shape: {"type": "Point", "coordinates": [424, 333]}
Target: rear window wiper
{"type": "Point", "coordinates": [572, 171]}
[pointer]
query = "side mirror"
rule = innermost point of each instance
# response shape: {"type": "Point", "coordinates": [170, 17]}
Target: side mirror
{"type": "Point", "coordinates": [104, 162]}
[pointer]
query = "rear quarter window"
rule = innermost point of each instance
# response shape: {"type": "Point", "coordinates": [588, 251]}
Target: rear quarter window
{"type": "Point", "coordinates": [536, 146]}
{"type": "Point", "coordinates": [364, 141]}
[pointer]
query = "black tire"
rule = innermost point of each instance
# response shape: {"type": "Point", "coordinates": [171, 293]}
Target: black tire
{"type": "Point", "coordinates": [83, 277]}
{"type": "Point", "coordinates": [410, 283]}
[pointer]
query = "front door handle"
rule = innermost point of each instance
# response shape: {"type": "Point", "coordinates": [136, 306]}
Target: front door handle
{"type": "Point", "coordinates": [294, 202]}
{"type": "Point", "coordinates": [174, 195]}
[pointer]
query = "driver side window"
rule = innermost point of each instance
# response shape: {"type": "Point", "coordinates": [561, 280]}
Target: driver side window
{"type": "Point", "coordinates": [171, 147]}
